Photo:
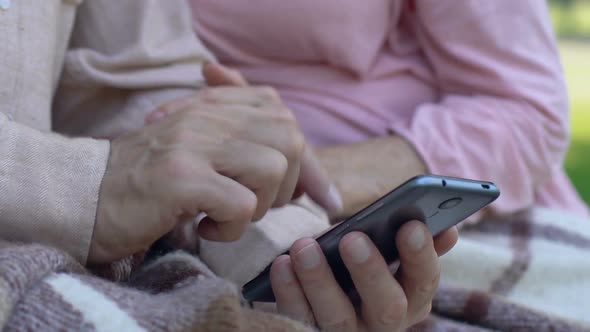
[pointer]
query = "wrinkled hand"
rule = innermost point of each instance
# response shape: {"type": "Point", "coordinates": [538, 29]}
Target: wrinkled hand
{"type": "Point", "coordinates": [232, 153]}
{"type": "Point", "coordinates": [305, 288]}
{"type": "Point", "coordinates": [312, 177]}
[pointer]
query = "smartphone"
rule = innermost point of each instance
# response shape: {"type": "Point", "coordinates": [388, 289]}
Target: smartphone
{"type": "Point", "coordinates": [440, 202]}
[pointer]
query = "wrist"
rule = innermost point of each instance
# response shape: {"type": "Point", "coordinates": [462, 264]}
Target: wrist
{"type": "Point", "coordinates": [363, 172]}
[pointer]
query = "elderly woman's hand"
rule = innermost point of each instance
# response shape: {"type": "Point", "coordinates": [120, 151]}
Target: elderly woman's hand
{"type": "Point", "coordinates": [312, 178]}
{"type": "Point", "coordinates": [305, 288]}
{"type": "Point", "coordinates": [230, 152]}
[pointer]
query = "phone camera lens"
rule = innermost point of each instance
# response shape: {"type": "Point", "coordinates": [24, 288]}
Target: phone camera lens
{"type": "Point", "coordinates": [450, 203]}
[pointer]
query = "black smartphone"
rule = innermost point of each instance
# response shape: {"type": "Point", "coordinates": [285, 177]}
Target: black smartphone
{"type": "Point", "coordinates": [440, 202]}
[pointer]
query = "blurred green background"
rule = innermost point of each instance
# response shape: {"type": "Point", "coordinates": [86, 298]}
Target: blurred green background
{"type": "Point", "coordinates": [571, 19]}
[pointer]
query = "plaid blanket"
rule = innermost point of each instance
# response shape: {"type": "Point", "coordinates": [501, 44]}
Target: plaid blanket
{"type": "Point", "coordinates": [525, 273]}
{"type": "Point", "coordinates": [530, 272]}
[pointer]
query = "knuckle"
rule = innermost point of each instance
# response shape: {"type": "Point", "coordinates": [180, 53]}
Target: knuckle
{"type": "Point", "coordinates": [423, 313]}
{"type": "Point", "coordinates": [283, 118]}
{"type": "Point", "coordinates": [177, 166]}
{"type": "Point", "coordinates": [276, 169]}
{"type": "Point", "coordinates": [394, 312]}
{"type": "Point", "coordinates": [427, 289]}
{"type": "Point", "coordinates": [245, 206]}
{"type": "Point", "coordinates": [268, 93]}
{"type": "Point", "coordinates": [420, 315]}
{"type": "Point", "coordinates": [280, 116]}
{"type": "Point", "coordinates": [295, 145]}
{"type": "Point", "coordinates": [287, 115]}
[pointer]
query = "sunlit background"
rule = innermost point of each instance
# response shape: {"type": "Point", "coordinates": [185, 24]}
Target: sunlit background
{"type": "Point", "coordinates": [571, 19]}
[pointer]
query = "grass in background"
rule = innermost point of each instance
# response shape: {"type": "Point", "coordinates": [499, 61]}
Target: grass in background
{"type": "Point", "coordinates": [576, 59]}
{"type": "Point", "coordinates": [572, 21]}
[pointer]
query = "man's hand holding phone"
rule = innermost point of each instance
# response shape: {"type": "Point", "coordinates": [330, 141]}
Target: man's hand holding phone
{"type": "Point", "coordinates": [306, 290]}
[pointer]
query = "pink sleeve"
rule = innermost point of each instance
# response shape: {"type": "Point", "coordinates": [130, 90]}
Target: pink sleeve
{"type": "Point", "coordinates": [503, 112]}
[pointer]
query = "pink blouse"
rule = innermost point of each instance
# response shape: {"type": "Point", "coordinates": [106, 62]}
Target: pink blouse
{"type": "Point", "coordinates": [476, 86]}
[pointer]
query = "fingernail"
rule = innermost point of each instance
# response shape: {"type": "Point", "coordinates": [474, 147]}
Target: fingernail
{"type": "Point", "coordinates": [309, 256]}
{"type": "Point", "coordinates": [335, 203]}
{"type": "Point", "coordinates": [417, 238]}
{"type": "Point", "coordinates": [286, 272]}
{"type": "Point", "coordinates": [359, 249]}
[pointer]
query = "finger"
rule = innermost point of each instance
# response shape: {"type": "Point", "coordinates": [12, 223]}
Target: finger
{"type": "Point", "coordinates": [445, 241]}
{"type": "Point", "coordinates": [278, 131]}
{"type": "Point", "coordinates": [258, 96]}
{"type": "Point", "coordinates": [262, 98]}
{"type": "Point", "coordinates": [314, 180]}
{"type": "Point", "coordinates": [229, 207]}
{"type": "Point", "coordinates": [217, 75]}
{"type": "Point", "coordinates": [419, 268]}
{"type": "Point", "coordinates": [287, 188]}
{"type": "Point", "coordinates": [289, 295]}
{"type": "Point", "coordinates": [169, 108]}
{"type": "Point", "coordinates": [260, 168]}
{"type": "Point", "coordinates": [384, 302]}
{"type": "Point", "coordinates": [212, 230]}
{"type": "Point", "coordinates": [332, 309]}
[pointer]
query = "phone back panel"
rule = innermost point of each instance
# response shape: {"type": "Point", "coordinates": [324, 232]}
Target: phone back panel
{"type": "Point", "coordinates": [439, 202]}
